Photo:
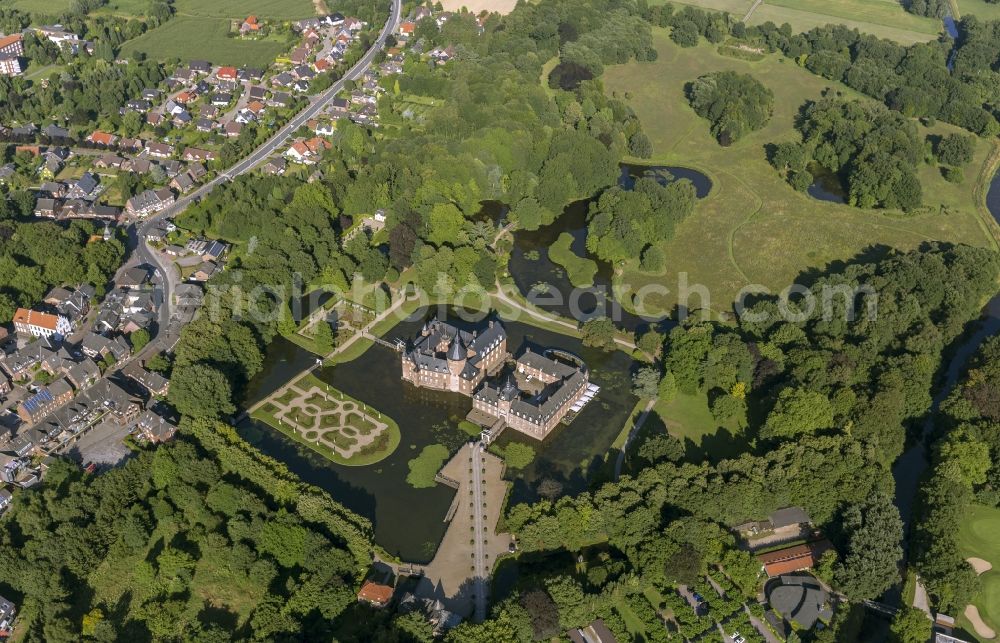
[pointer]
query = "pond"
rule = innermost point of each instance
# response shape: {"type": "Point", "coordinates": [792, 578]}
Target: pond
{"type": "Point", "coordinates": [409, 522]}
{"type": "Point", "coordinates": [546, 284]}
{"type": "Point", "coordinates": [826, 185]}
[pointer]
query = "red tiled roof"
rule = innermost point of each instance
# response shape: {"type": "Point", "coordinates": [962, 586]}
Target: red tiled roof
{"type": "Point", "coordinates": [795, 558]}
{"type": "Point", "coordinates": [35, 318]}
{"type": "Point", "coordinates": [102, 138]}
{"type": "Point", "coordinates": [9, 40]}
{"type": "Point", "coordinates": [375, 593]}
{"type": "Point", "coordinates": [227, 72]}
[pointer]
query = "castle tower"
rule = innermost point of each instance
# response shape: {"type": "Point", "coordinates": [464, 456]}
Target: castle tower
{"type": "Point", "coordinates": [457, 356]}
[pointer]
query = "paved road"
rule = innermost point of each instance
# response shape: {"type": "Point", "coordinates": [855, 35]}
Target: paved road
{"type": "Point", "coordinates": [479, 535]}
{"type": "Point", "coordinates": [138, 231]}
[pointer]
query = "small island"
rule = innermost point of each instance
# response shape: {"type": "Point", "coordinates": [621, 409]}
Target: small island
{"type": "Point", "coordinates": [331, 423]}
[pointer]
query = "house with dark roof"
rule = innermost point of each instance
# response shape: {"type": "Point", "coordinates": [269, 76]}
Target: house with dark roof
{"type": "Point", "coordinates": [45, 401]}
{"type": "Point", "coordinates": [86, 187]}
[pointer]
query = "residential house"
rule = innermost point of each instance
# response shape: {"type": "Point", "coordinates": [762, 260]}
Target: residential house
{"type": "Point", "coordinates": [140, 105]}
{"type": "Point", "coordinates": [256, 93]}
{"type": "Point", "coordinates": [280, 99]}
{"type": "Point", "coordinates": [339, 107]}
{"type": "Point", "coordinates": [154, 119]}
{"type": "Point", "coordinates": [155, 383]}
{"type": "Point", "coordinates": [7, 171]}
{"type": "Point", "coordinates": [195, 154]}
{"type": "Point", "coordinates": [155, 428]}
{"type": "Point", "coordinates": [45, 401]}
{"type": "Point", "coordinates": [182, 183]}
{"type": "Point", "coordinates": [102, 139]}
{"type": "Point", "coordinates": [159, 150]}
{"type": "Point", "coordinates": [596, 632]}
{"type": "Point", "coordinates": [137, 166]}
{"type": "Point", "coordinates": [250, 26]}
{"type": "Point", "coordinates": [204, 271]}
{"type": "Point", "coordinates": [37, 324]}
{"type": "Point", "coordinates": [45, 207]}
{"type": "Point", "coordinates": [186, 97]}
{"type": "Point", "coordinates": [59, 35]}
{"type": "Point", "coordinates": [204, 125]}
{"type": "Point", "coordinates": [96, 346]}
{"type": "Point", "coordinates": [53, 189]}
{"type": "Point", "coordinates": [299, 56]}
{"type": "Point", "coordinates": [196, 171]}
{"type": "Point", "coordinates": [226, 73]}
{"type": "Point", "coordinates": [53, 131]}
{"type": "Point", "coordinates": [151, 93]}
{"type": "Point", "coordinates": [83, 374]}
{"type": "Point", "coordinates": [208, 111]}
{"type": "Point", "coordinates": [183, 75]}
{"type": "Point", "coordinates": [375, 594]}
{"type": "Point", "coordinates": [5, 500]}
{"type": "Point", "coordinates": [233, 129]}
{"type": "Point", "coordinates": [245, 116]}
{"type": "Point", "coordinates": [109, 160]}
{"type": "Point", "coordinates": [284, 79]}
{"type": "Point", "coordinates": [275, 166]}
{"type": "Point", "coordinates": [120, 405]}
{"type": "Point", "coordinates": [87, 187]}
{"type": "Point", "coordinates": [150, 201]}
{"type": "Point", "coordinates": [250, 74]}
{"type": "Point", "coordinates": [406, 29]}
{"type": "Point", "coordinates": [222, 99]}
{"type": "Point", "coordinates": [200, 66]}
{"type": "Point", "coordinates": [7, 613]}
{"type": "Point", "coordinates": [134, 277]}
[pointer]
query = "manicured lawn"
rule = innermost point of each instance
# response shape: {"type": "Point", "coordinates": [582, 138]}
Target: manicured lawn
{"type": "Point", "coordinates": [240, 9]}
{"type": "Point", "coordinates": [977, 537]}
{"type": "Point", "coordinates": [190, 38]}
{"type": "Point", "coordinates": [579, 270]}
{"type": "Point", "coordinates": [754, 228]}
{"type": "Point", "coordinates": [688, 418]}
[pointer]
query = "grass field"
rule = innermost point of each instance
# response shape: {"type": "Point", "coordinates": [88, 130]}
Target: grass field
{"type": "Point", "coordinates": [884, 18]}
{"type": "Point", "coordinates": [754, 228]}
{"type": "Point", "coordinates": [239, 9]}
{"type": "Point", "coordinates": [980, 8]}
{"type": "Point", "coordinates": [688, 419]}
{"type": "Point", "coordinates": [190, 38]}
{"type": "Point", "coordinates": [50, 7]}
{"type": "Point", "coordinates": [977, 537]}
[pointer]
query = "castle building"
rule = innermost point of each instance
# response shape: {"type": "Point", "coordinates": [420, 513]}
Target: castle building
{"type": "Point", "coordinates": [533, 399]}
{"type": "Point", "coordinates": [445, 358]}
{"type": "Point", "coordinates": [537, 398]}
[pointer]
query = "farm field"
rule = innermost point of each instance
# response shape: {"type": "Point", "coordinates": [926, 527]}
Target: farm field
{"type": "Point", "coordinates": [190, 38]}
{"type": "Point", "coordinates": [240, 9]}
{"type": "Point", "coordinates": [884, 18]}
{"type": "Point", "coordinates": [977, 537]}
{"type": "Point", "coordinates": [754, 228]}
{"type": "Point", "coordinates": [980, 8]}
{"type": "Point", "coordinates": [475, 6]}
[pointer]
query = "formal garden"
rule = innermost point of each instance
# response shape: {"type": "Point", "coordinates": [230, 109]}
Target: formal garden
{"type": "Point", "coordinates": [330, 422]}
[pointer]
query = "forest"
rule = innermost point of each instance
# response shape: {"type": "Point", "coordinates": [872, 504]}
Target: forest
{"type": "Point", "coordinates": [34, 257]}
{"type": "Point", "coordinates": [202, 539]}
{"type": "Point", "coordinates": [874, 151]}
{"type": "Point", "coordinates": [733, 103]}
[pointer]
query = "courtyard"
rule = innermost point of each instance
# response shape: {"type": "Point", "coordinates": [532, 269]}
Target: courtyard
{"type": "Point", "coordinates": [327, 420]}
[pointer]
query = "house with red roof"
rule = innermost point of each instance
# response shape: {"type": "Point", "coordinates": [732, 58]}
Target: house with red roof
{"type": "Point", "coordinates": [104, 139]}
{"type": "Point", "coordinates": [250, 25]}
{"type": "Point", "coordinates": [795, 558]}
{"type": "Point", "coordinates": [227, 73]}
{"type": "Point", "coordinates": [375, 594]}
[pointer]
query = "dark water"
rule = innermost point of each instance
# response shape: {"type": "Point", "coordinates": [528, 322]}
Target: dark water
{"type": "Point", "coordinates": [952, 29]}
{"type": "Point", "coordinates": [530, 264]}
{"type": "Point", "coordinates": [409, 522]}
{"type": "Point", "coordinates": [993, 197]}
{"type": "Point", "coordinates": [826, 186]}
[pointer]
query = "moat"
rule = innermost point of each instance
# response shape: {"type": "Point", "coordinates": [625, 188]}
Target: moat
{"type": "Point", "coordinates": [409, 522]}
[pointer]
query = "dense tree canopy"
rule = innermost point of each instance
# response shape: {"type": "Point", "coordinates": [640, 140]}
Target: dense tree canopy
{"type": "Point", "coordinates": [735, 104]}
